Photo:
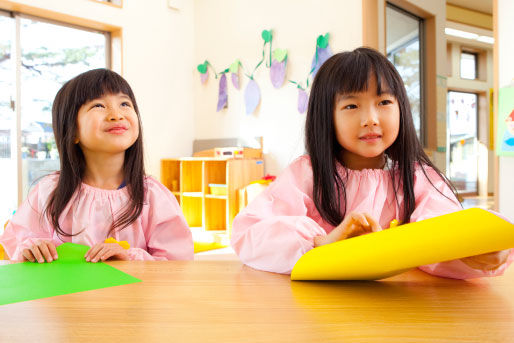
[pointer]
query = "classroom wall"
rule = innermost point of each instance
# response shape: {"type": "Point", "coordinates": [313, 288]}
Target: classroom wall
{"type": "Point", "coordinates": [505, 27]}
{"type": "Point", "coordinates": [231, 29]}
{"type": "Point", "coordinates": [158, 63]}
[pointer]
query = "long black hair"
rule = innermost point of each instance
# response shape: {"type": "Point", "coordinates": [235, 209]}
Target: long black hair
{"type": "Point", "coordinates": [346, 73]}
{"type": "Point", "coordinates": [81, 89]}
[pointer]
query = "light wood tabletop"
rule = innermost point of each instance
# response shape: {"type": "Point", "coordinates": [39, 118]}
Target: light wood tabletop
{"type": "Point", "coordinates": [225, 301]}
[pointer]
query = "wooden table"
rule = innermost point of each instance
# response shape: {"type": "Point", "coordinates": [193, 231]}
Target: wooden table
{"type": "Point", "coordinates": [225, 301]}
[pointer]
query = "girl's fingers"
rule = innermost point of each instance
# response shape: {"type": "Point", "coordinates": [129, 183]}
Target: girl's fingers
{"type": "Point", "coordinates": [92, 252]}
{"type": "Point", "coordinates": [27, 254]}
{"type": "Point", "coordinates": [45, 252]}
{"type": "Point", "coordinates": [361, 219]}
{"type": "Point", "coordinates": [100, 253]}
{"type": "Point", "coordinates": [107, 254]}
{"type": "Point", "coordinates": [375, 226]}
{"type": "Point", "coordinates": [53, 250]}
{"type": "Point", "coordinates": [37, 254]}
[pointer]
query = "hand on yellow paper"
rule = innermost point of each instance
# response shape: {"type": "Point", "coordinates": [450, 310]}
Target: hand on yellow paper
{"type": "Point", "coordinates": [104, 251]}
{"type": "Point", "coordinates": [42, 251]}
{"type": "Point", "coordinates": [353, 224]}
{"type": "Point", "coordinates": [489, 261]}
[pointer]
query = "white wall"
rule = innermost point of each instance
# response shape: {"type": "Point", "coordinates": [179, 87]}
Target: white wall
{"type": "Point", "coordinates": [158, 63]}
{"type": "Point", "coordinates": [506, 77]}
{"type": "Point", "coordinates": [231, 29]}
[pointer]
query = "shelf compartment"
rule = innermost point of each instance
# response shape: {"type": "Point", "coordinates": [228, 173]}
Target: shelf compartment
{"type": "Point", "coordinates": [191, 175]}
{"type": "Point", "coordinates": [215, 214]}
{"type": "Point", "coordinates": [193, 209]}
{"type": "Point", "coordinates": [170, 175]}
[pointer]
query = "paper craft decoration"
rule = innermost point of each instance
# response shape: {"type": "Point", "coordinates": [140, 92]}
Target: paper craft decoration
{"type": "Point", "coordinates": [303, 100]}
{"type": "Point", "coordinates": [252, 96]}
{"type": "Point", "coordinates": [278, 67]}
{"type": "Point", "coordinates": [505, 142]}
{"type": "Point", "coordinates": [277, 63]}
{"type": "Point", "coordinates": [389, 252]}
{"type": "Point", "coordinates": [204, 74]}
{"type": "Point", "coordinates": [234, 74]}
{"type": "Point", "coordinates": [323, 53]}
{"type": "Point", "coordinates": [70, 273]}
{"type": "Point", "coordinates": [222, 93]}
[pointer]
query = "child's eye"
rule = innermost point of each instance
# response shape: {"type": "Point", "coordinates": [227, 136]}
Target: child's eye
{"type": "Point", "coordinates": [350, 107]}
{"type": "Point", "coordinates": [126, 103]}
{"type": "Point", "coordinates": [386, 102]}
{"type": "Point", "coordinates": [97, 105]}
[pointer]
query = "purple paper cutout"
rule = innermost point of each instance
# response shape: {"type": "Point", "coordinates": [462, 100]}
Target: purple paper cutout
{"type": "Point", "coordinates": [277, 73]}
{"type": "Point", "coordinates": [323, 55]}
{"type": "Point", "coordinates": [303, 100]}
{"type": "Point", "coordinates": [252, 96]}
{"type": "Point", "coordinates": [235, 80]}
{"type": "Point", "coordinates": [222, 93]}
{"type": "Point", "coordinates": [204, 77]}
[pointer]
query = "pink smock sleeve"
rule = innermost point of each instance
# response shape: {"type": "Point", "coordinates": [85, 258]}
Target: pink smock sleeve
{"type": "Point", "coordinates": [279, 226]}
{"type": "Point", "coordinates": [28, 226]}
{"type": "Point", "coordinates": [436, 200]}
{"type": "Point", "coordinates": [167, 234]}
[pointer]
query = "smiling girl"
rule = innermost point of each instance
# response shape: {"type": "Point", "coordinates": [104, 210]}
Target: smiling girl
{"type": "Point", "coordinates": [364, 168]}
{"type": "Point", "coordinates": [101, 195]}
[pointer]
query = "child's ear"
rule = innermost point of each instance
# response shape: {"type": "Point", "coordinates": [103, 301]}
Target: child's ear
{"type": "Point", "coordinates": [76, 140]}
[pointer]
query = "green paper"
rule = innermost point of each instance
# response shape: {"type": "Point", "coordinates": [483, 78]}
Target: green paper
{"type": "Point", "coordinates": [202, 68]}
{"type": "Point", "coordinates": [322, 41]}
{"type": "Point", "coordinates": [70, 273]}
{"type": "Point", "coordinates": [234, 67]}
{"type": "Point", "coordinates": [279, 54]}
{"type": "Point", "coordinates": [267, 35]}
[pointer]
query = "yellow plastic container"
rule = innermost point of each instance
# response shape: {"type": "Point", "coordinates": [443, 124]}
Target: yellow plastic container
{"type": "Point", "coordinates": [218, 189]}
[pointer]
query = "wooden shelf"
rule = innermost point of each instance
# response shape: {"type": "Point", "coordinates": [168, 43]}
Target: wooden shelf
{"type": "Point", "coordinates": [192, 194]}
{"type": "Point", "coordinates": [212, 196]}
{"type": "Point", "coordinates": [189, 179]}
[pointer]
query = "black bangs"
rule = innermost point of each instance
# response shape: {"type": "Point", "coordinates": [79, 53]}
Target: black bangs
{"type": "Point", "coordinates": [95, 83]}
{"type": "Point", "coordinates": [353, 70]}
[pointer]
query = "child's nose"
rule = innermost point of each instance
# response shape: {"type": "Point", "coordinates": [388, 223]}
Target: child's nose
{"type": "Point", "coordinates": [115, 115]}
{"type": "Point", "coordinates": [370, 118]}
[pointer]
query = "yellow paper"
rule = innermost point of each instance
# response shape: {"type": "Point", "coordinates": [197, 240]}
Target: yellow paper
{"type": "Point", "coordinates": [381, 254]}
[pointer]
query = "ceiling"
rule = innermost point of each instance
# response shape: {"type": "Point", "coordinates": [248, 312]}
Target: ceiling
{"type": "Point", "coordinates": [485, 6]}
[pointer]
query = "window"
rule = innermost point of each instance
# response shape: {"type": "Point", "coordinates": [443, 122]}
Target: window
{"type": "Point", "coordinates": [41, 55]}
{"type": "Point", "coordinates": [404, 38]}
{"type": "Point", "coordinates": [468, 65]}
{"type": "Point", "coordinates": [462, 142]}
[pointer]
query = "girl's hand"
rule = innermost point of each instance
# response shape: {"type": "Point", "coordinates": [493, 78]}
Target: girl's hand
{"type": "Point", "coordinates": [489, 261]}
{"type": "Point", "coordinates": [354, 224]}
{"type": "Point", "coordinates": [104, 251]}
{"type": "Point", "coordinates": [41, 251]}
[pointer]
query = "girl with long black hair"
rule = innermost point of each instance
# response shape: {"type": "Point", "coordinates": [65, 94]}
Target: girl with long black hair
{"type": "Point", "coordinates": [364, 168]}
{"type": "Point", "coordinates": [101, 195]}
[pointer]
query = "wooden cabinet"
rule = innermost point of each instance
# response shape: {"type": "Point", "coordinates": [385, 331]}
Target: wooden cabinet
{"type": "Point", "coordinates": [208, 214]}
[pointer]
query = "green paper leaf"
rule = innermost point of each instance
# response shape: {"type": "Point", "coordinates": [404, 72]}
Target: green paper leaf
{"type": "Point", "coordinates": [202, 68]}
{"type": "Point", "coordinates": [322, 41]}
{"type": "Point", "coordinates": [279, 54]}
{"type": "Point", "coordinates": [70, 273]}
{"type": "Point", "coordinates": [267, 36]}
{"type": "Point", "coordinates": [234, 67]}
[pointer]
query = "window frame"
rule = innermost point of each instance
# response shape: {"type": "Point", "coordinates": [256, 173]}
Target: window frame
{"type": "Point", "coordinates": [17, 16]}
{"type": "Point", "coordinates": [422, 68]}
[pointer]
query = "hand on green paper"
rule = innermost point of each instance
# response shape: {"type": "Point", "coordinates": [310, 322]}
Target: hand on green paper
{"type": "Point", "coordinates": [104, 251]}
{"type": "Point", "coordinates": [353, 224]}
{"type": "Point", "coordinates": [489, 261]}
{"type": "Point", "coordinates": [43, 251]}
